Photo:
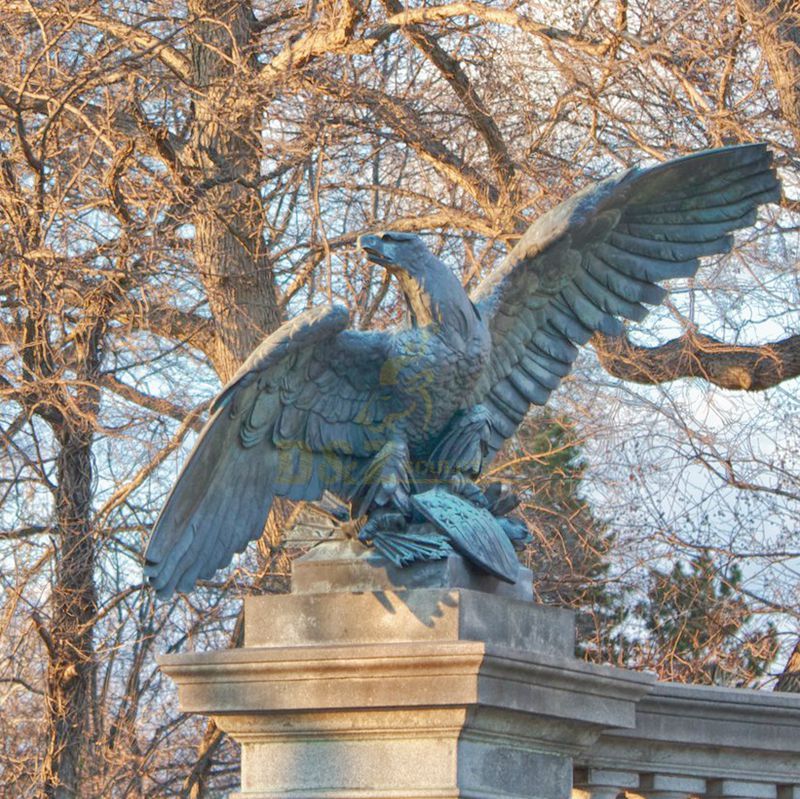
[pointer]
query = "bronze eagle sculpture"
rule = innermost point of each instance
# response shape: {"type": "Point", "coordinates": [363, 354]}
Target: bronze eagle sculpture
{"type": "Point", "coordinates": [379, 417]}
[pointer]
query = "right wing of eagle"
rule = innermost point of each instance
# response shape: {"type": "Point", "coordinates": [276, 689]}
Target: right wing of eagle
{"type": "Point", "coordinates": [599, 256]}
{"type": "Point", "coordinates": [296, 419]}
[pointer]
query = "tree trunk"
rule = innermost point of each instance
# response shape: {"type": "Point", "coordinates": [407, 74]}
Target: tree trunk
{"type": "Point", "coordinates": [71, 413]}
{"type": "Point", "coordinates": [789, 680]}
{"type": "Point", "coordinates": [229, 248]}
{"type": "Point", "coordinates": [73, 608]}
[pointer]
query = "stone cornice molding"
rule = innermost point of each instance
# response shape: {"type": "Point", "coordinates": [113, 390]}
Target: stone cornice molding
{"type": "Point", "coordinates": [405, 674]}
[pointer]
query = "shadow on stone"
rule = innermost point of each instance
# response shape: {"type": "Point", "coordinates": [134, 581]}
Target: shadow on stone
{"type": "Point", "coordinates": [343, 592]}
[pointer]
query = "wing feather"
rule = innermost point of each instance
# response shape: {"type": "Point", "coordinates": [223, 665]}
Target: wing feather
{"type": "Point", "coordinates": [648, 269]}
{"type": "Point", "coordinates": [625, 286]}
{"type": "Point", "coordinates": [598, 258]}
{"type": "Point", "coordinates": [608, 300]}
{"type": "Point", "coordinates": [532, 389]}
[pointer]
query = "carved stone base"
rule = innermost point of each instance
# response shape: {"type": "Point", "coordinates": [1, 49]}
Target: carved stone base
{"type": "Point", "coordinates": [428, 688]}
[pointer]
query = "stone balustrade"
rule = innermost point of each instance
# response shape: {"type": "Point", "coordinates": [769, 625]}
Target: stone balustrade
{"type": "Point", "coordinates": [368, 682]}
{"type": "Point", "coordinates": [689, 740]}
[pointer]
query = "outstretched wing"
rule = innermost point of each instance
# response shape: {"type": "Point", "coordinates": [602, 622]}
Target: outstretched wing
{"type": "Point", "coordinates": [598, 257]}
{"type": "Point", "coordinates": [303, 414]}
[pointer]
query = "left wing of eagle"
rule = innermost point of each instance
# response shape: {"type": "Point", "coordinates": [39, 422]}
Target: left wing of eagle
{"type": "Point", "coordinates": [295, 420]}
{"type": "Point", "coordinates": [599, 257]}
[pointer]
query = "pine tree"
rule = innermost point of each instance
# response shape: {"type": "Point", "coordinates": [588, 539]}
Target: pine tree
{"type": "Point", "coordinates": [569, 553]}
{"type": "Point", "coordinates": [699, 626]}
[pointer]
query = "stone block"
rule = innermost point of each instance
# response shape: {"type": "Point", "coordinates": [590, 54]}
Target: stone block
{"type": "Point", "coordinates": [433, 682]}
{"type": "Point", "coordinates": [731, 737]}
{"type": "Point", "coordinates": [405, 719]}
{"type": "Point", "coordinates": [429, 752]}
{"type": "Point", "coordinates": [420, 614]}
{"type": "Point", "coordinates": [589, 778]}
{"type": "Point", "coordinates": [738, 789]}
{"type": "Point", "coordinates": [670, 786]}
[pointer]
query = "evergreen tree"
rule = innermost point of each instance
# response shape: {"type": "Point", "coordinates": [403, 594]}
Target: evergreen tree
{"type": "Point", "coordinates": [569, 553]}
{"type": "Point", "coordinates": [699, 626]}
{"type": "Point", "coordinates": [696, 624]}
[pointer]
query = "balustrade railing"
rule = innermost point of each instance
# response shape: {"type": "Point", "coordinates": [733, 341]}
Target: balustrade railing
{"type": "Point", "coordinates": [697, 741]}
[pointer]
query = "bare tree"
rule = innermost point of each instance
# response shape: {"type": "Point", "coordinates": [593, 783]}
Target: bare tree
{"type": "Point", "coordinates": [178, 177]}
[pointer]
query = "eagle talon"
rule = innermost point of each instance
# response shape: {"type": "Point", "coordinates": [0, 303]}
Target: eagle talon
{"type": "Point", "coordinates": [380, 522]}
{"type": "Point", "coordinates": [468, 489]}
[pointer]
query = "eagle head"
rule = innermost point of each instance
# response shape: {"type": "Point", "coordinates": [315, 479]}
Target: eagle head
{"type": "Point", "coordinates": [402, 252]}
{"type": "Point", "coordinates": [432, 292]}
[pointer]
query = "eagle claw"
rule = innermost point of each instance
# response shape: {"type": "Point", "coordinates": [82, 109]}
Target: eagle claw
{"type": "Point", "coordinates": [468, 489]}
{"type": "Point", "coordinates": [382, 521]}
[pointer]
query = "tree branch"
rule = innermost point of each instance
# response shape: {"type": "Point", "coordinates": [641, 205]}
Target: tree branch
{"type": "Point", "coordinates": [331, 38]}
{"type": "Point", "coordinates": [192, 420]}
{"type": "Point", "coordinates": [22, 683]}
{"type": "Point", "coordinates": [487, 14]}
{"type": "Point", "coordinates": [24, 532]}
{"type": "Point", "coordinates": [731, 366]}
{"type": "Point", "coordinates": [416, 224]}
{"type": "Point", "coordinates": [138, 39]}
{"type": "Point", "coordinates": [184, 326]}
{"type": "Point", "coordinates": [776, 24]}
{"type": "Point", "coordinates": [158, 405]}
{"type": "Point", "coordinates": [212, 738]}
{"type": "Point", "coordinates": [405, 122]}
{"type": "Point", "coordinates": [453, 73]}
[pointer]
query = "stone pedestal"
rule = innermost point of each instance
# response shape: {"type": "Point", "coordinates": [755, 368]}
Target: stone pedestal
{"type": "Point", "coordinates": [427, 682]}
